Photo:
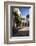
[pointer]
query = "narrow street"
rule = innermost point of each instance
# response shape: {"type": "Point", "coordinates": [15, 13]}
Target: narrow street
{"type": "Point", "coordinates": [22, 32]}
{"type": "Point", "coordinates": [24, 29]}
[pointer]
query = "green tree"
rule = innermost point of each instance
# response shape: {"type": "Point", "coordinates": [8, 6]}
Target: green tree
{"type": "Point", "coordinates": [17, 18]}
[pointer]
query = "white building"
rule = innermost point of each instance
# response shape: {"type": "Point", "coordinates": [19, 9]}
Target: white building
{"type": "Point", "coordinates": [17, 11]}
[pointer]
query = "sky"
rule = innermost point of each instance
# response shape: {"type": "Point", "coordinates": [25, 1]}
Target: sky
{"type": "Point", "coordinates": [24, 11]}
